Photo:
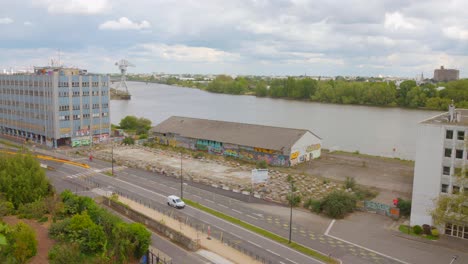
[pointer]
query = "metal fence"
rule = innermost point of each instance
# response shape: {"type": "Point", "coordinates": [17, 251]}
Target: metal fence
{"type": "Point", "coordinates": [202, 228]}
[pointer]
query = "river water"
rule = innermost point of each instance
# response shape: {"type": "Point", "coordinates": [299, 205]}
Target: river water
{"type": "Point", "coordinates": [378, 131]}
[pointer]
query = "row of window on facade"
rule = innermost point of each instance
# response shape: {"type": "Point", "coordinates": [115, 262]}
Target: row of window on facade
{"type": "Point", "coordinates": [22, 114]}
{"type": "Point", "coordinates": [84, 93]}
{"type": "Point", "coordinates": [458, 153]}
{"type": "Point", "coordinates": [84, 106]}
{"type": "Point", "coordinates": [26, 92]}
{"type": "Point", "coordinates": [83, 84]}
{"type": "Point", "coordinates": [23, 83]}
{"type": "Point", "coordinates": [450, 133]}
{"type": "Point", "coordinates": [455, 189]}
{"type": "Point", "coordinates": [460, 231]}
{"type": "Point", "coordinates": [84, 116]}
{"type": "Point", "coordinates": [24, 105]}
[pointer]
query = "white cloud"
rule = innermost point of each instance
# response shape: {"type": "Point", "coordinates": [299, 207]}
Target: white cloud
{"type": "Point", "coordinates": [27, 23]}
{"type": "Point", "coordinates": [87, 7]}
{"type": "Point", "coordinates": [6, 20]}
{"type": "Point", "coordinates": [123, 24]}
{"type": "Point", "coordinates": [456, 33]}
{"type": "Point", "coordinates": [185, 53]}
{"type": "Point", "coordinates": [396, 21]}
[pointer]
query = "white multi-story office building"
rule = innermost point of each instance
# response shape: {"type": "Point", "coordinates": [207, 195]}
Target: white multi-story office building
{"type": "Point", "coordinates": [56, 106]}
{"type": "Point", "coordinates": [441, 154]}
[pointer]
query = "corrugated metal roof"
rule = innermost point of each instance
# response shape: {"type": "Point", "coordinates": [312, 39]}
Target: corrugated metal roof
{"type": "Point", "coordinates": [267, 137]}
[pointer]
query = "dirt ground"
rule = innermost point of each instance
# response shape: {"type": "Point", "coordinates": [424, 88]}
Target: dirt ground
{"type": "Point", "coordinates": [44, 242]}
{"type": "Point", "coordinates": [390, 177]}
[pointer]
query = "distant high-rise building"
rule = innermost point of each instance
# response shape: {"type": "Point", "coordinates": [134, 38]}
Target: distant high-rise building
{"type": "Point", "coordinates": [55, 106]}
{"type": "Point", "coordinates": [446, 75]}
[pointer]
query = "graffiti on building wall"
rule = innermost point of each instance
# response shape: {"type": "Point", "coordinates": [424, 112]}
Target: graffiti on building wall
{"type": "Point", "coordinates": [231, 153]}
{"type": "Point", "coordinates": [186, 142]}
{"type": "Point", "coordinates": [313, 147]}
{"type": "Point", "coordinates": [269, 151]}
{"type": "Point", "coordinates": [379, 207]}
{"type": "Point", "coordinates": [246, 148]}
{"type": "Point", "coordinates": [230, 146]}
{"type": "Point", "coordinates": [294, 155]}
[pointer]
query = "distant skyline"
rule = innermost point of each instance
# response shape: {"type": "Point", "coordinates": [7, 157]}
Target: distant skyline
{"type": "Point", "coordinates": [245, 37]}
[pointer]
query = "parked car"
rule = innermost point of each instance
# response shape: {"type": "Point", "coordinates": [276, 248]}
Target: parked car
{"type": "Point", "coordinates": [175, 201]}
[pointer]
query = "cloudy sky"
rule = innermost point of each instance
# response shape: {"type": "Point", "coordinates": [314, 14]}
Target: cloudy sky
{"type": "Point", "coordinates": [277, 37]}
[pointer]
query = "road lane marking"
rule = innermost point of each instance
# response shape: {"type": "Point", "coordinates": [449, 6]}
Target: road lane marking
{"type": "Point", "coordinates": [239, 212]}
{"type": "Point", "coordinates": [222, 205]}
{"type": "Point", "coordinates": [254, 244]}
{"type": "Point", "coordinates": [234, 225]}
{"type": "Point", "coordinates": [292, 261]}
{"type": "Point", "coordinates": [252, 217]}
{"type": "Point", "coordinates": [273, 252]}
{"type": "Point", "coordinates": [356, 245]}
{"type": "Point", "coordinates": [209, 201]}
{"type": "Point", "coordinates": [194, 195]}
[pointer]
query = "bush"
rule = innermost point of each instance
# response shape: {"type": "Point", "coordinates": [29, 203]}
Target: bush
{"type": "Point", "coordinates": [338, 203]}
{"type": "Point", "coordinates": [405, 207]}
{"type": "Point", "coordinates": [435, 232]}
{"type": "Point", "coordinates": [362, 193]}
{"type": "Point", "coordinates": [143, 136]}
{"type": "Point", "coordinates": [34, 210]}
{"type": "Point", "coordinates": [427, 229]}
{"type": "Point", "coordinates": [198, 155]}
{"type": "Point", "coordinates": [350, 183]}
{"type": "Point", "coordinates": [313, 205]}
{"type": "Point", "coordinates": [65, 253]}
{"type": "Point", "coordinates": [24, 243]}
{"type": "Point", "coordinates": [6, 208]}
{"type": "Point", "coordinates": [261, 164]}
{"type": "Point", "coordinates": [128, 141]}
{"type": "Point", "coordinates": [43, 219]}
{"type": "Point", "coordinates": [417, 229]}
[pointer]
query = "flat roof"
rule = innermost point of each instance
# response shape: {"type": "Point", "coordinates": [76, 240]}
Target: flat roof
{"type": "Point", "coordinates": [443, 119]}
{"type": "Point", "coordinates": [267, 137]}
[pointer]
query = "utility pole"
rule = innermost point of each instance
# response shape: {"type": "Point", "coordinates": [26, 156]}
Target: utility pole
{"type": "Point", "coordinates": [181, 179]}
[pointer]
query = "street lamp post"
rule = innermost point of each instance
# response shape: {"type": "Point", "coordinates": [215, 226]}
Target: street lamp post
{"type": "Point", "coordinates": [455, 257]}
{"type": "Point", "coordinates": [112, 157]}
{"type": "Point", "coordinates": [290, 215]}
{"type": "Point", "coordinates": [181, 179]}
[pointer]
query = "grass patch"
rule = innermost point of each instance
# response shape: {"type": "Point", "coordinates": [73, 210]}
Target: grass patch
{"type": "Point", "coordinates": [109, 173]}
{"type": "Point", "coordinates": [9, 144]}
{"type": "Point", "coordinates": [263, 232]}
{"type": "Point", "coordinates": [409, 230]}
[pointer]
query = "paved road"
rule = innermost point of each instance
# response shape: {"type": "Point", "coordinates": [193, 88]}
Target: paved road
{"type": "Point", "coordinates": [146, 192]}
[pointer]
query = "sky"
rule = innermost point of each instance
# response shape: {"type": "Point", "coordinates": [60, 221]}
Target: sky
{"type": "Point", "coordinates": [242, 37]}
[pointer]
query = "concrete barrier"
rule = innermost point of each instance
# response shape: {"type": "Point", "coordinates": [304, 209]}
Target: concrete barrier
{"type": "Point", "coordinates": [154, 225]}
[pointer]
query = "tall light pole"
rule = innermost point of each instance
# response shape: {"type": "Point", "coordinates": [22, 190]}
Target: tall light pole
{"type": "Point", "coordinates": [112, 144]}
{"type": "Point", "coordinates": [290, 215]}
{"type": "Point", "coordinates": [181, 179]}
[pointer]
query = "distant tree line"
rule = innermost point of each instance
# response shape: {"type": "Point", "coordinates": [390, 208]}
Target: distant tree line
{"type": "Point", "coordinates": [340, 91]}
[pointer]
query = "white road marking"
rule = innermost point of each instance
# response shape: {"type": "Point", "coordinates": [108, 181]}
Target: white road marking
{"type": "Point", "coordinates": [222, 205]}
{"type": "Point", "coordinates": [252, 217]}
{"type": "Point", "coordinates": [273, 252]}
{"type": "Point", "coordinates": [239, 212]}
{"type": "Point", "coordinates": [209, 201]}
{"type": "Point", "coordinates": [254, 244]}
{"type": "Point", "coordinates": [291, 261]}
{"type": "Point", "coordinates": [359, 246]}
{"type": "Point", "coordinates": [199, 197]}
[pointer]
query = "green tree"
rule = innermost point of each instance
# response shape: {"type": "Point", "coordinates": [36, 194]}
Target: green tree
{"type": "Point", "coordinates": [261, 89]}
{"type": "Point", "coordinates": [405, 87]}
{"type": "Point", "coordinates": [415, 98]}
{"type": "Point", "coordinates": [338, 203]}
{"type": "Point", "coordinates": [128, 141]}
{"type": "Point", "coordinates": [87, 234]}
{"type": "Point", "coordinates": [129, 122]}
{"type": "Point", "coordinates": [437, 103]}
{"type": "Point", "coordinates": [65, 254]}
{"type": "Point", "coordinates": [23, 242]}
{"type": "Point", "coordinates": [22, 180]}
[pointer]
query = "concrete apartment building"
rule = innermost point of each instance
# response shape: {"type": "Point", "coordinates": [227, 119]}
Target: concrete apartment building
{"type": "Point", "coordinates": [277, 146]}
{"type": "Point", "coordinates": [446, 75]}
{"type": "Point", "coordinates": [55, 106]}
{"type": "Point", "coordinates": [441, 154]}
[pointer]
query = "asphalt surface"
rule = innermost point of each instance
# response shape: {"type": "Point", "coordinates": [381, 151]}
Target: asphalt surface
{"type": "Point", "coordinates": [153, 193]}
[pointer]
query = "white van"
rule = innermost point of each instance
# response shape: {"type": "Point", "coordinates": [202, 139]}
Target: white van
{"type": "Point", "coordinates": [175, 201]}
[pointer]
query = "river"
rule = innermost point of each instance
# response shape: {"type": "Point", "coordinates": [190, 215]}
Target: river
{"type": "Point", "coordinates": [378, 131]}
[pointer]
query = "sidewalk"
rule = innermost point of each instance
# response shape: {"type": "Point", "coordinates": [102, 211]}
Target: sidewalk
{"type": "Point", "coordinates": [223, 254]}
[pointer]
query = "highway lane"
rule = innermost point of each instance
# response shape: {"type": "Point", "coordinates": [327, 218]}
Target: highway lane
{"type": "Point", "coordinates": [258, 246]}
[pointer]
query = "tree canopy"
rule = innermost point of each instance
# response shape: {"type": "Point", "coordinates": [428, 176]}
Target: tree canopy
{"type": "Point", "coordinates": [140, 125]}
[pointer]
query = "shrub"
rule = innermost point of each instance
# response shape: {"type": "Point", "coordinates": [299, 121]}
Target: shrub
{"type": "Point", "coordinates": [417, 229]}
{"type": "Point", "coordinates": [33, 210]}
{"type": "Point", "coordinates": [362, 193]}
{"type": "Point", "coordinates": [338, 203]}
{"type": "Point", "coordinates": [435, 232]}
{"type": "Point", "coordinates": [261, 164]}
{"type": "Point", "coordinates": [24, 243]}
{"type": "Point", "coordinates": [405, 207]}
{"type": "Point", "coordinates": [427, 229]}
{"type": "Point", "coordinates": [350, 183]}
{"type": "Point", "coordinates": [314, 205]}
{"type": "Point", "coordinates": [198, 155]}
{"type": "Point", "coordinates": [143, 136]}
{"type": "Point", "coordinates": [6, 208]}
{"type": "Point", "coordinates": [43, 219]}
{"type": "Point", "coordinates": [65, 253]}
{"type": "Point", "coordinates": [128, 141]}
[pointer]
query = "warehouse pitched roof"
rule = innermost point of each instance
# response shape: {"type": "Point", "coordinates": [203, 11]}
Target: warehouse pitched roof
{"type": "Point", "coordinates": [267, 137]}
